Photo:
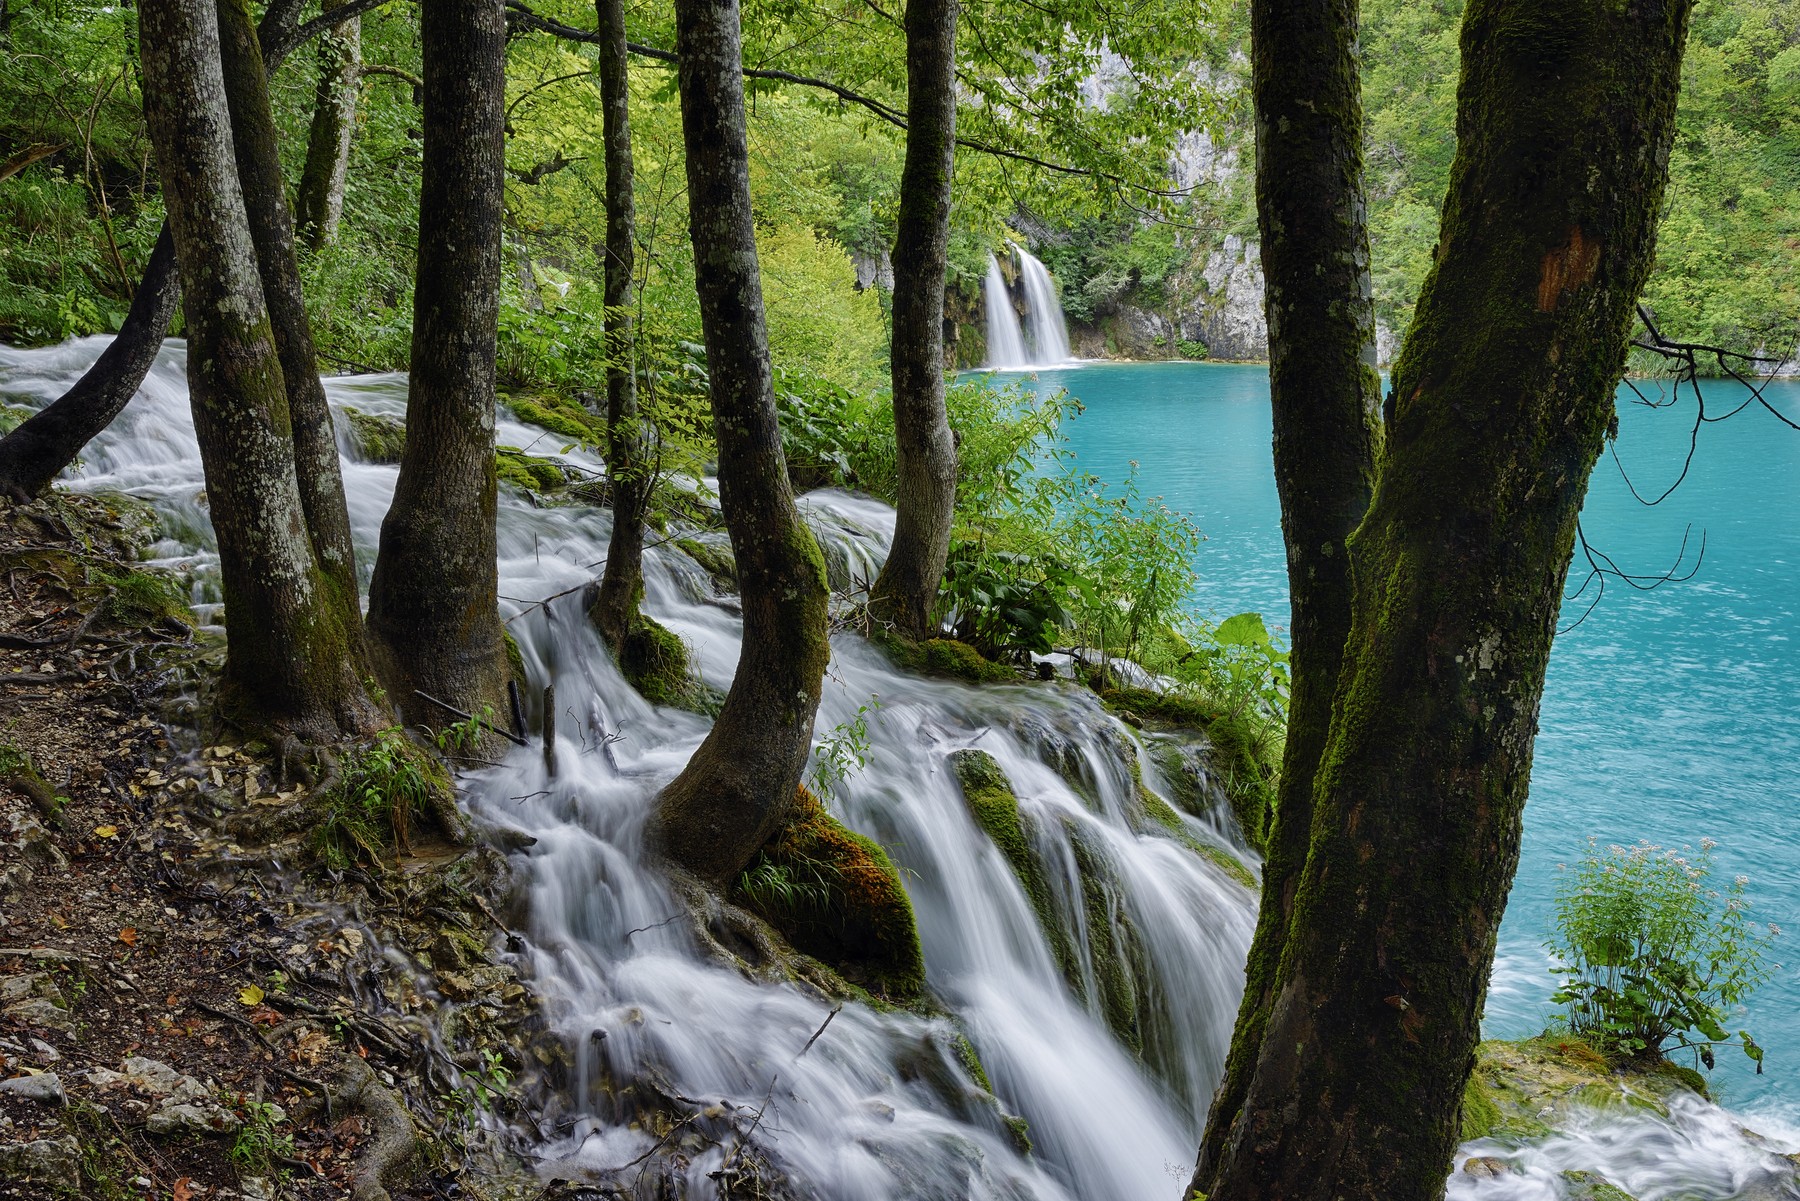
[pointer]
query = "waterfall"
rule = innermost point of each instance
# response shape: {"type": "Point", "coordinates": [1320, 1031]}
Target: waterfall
{"type": "Point", "coordinates": [882, 1106]}
{"type": "Point", "coordinates": [1005, 341]}
{"type": "Point", "coordinates": [1049, 332]}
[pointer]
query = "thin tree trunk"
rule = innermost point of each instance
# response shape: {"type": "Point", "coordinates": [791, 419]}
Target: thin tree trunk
{"type": "Point", "coordinates": [1501, 402]}
{"type": "Point", "coordinates": [319, 203]}
{"type": "Point", "coordinates": [1326, 395]}
{"type": "Point", "coordinates": [34, 453]}
{"type": "Point", "coordinates": [434, 620]}
{"type": "Point", "coordinates": [907, 587]}
{"type": "Point", "coordinates": [741, 782]}
{"type": "Point", "coordinates": [288, 658]}
{"type": "Point", "coordinates": [616, 607]}
{"type": "Point", "coordinates": [272, 232]}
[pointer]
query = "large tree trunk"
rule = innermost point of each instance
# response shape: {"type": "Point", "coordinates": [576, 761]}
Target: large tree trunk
{"type": "Point", "coordinates": [741, 781]}
{"type": "Point", "coordinates": [1501, 401]}
{"type": "Point", "coordinates": [907, 587]}
{"type": "Point", "coordinates": [288, 657]}
{"type": "Point", "coordinates": [33, 454]}
{"type": "Point", "coordinates": [434, 620]}
{"type": "Point", "coordinates": [615, 609]}
{"type": "Point", "coordinates": [319, 203]}
{"type": "Point", "coordinates": [272, 232]}
{"type": "Point", "coordinates": [1326, 397]}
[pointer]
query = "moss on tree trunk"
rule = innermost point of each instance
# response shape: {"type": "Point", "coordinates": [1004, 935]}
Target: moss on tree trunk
{"type": "Point", "coordinates": [741, 781]}
{"type": "Point", "coordinates": [1500, 403]}
{"type": "Point", "coordinates": [319, 200]}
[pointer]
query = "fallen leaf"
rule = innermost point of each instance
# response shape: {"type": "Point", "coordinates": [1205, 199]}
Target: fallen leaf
{"type": "Point", "coordinates": [106, 831]}
{"type": "Point", "coordinates": [128, 936]}
{"type": "Point", "coordinates": [252, 995]}
{"type": "Point", "coordinates": [182, 1191]}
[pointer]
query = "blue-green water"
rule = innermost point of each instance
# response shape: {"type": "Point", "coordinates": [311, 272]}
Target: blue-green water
{"type": "Point", "coordinates": [1671, 715]}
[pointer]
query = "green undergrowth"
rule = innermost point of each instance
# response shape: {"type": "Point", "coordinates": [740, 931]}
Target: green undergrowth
{"type": "Point", "coordinates": [384, 786]}
{"type": "Point", "coordinates": [144, 597]}
{"type": "Point", "coordinates": [835, 895]}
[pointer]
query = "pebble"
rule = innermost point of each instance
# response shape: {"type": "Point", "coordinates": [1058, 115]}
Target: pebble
{"type": "Point", "coordinates": [44, 1087]}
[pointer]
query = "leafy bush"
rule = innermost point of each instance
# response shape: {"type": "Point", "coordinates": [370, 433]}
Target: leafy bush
{"type": "Point", "coordinates": [1651, 951]}
{"type": "Point", "coordinates": [382, 784]}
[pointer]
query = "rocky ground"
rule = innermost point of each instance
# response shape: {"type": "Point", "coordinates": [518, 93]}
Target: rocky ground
{"type": "Point", "coordinates": [182, 1014]}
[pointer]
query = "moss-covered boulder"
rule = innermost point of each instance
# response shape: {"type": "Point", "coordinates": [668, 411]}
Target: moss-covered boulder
{"type": "Point", "coordinates": [945, 657]}
{"type": "Point", "coordinates": [654, 661]}
{"type": "Point", "coordinates": [994, 806]}
{"type": "Point", "coordinates": [836, 896]}
{"type": "Point", "coordinates": [1243, 755]}
{"type": "Point", "coordinates": [530, 473]}
{"type": "Point", "coordinates": [1521, 1090]}
{"type": "Point", "coordinates": [377, 439]}
{"type": "Point", "coordinates": [715, 558]}
{"type": "Point", "coordinates": [562, 415]}
{"type": "Point", "coordinates": [1114, 949]}
{"type": "Point", "coordinates": [146, 597]}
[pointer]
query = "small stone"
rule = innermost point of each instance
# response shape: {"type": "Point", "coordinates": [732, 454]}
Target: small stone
{"type": "Point", "coordinates": [45, 1052]}
{"type": "Point", "coordinates": [191, 1119]}
{"type": "Point", "coordinates": [48, 1160]}
{"type": "Point", "coordinates": [46, 1088]}
{"type": "Point", "coordinates": [1485, 1166]}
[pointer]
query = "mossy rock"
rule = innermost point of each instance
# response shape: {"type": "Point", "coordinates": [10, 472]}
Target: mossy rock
{"type": "Point", "coordinates": [561, 415]}
{"type": "Point", "coordinates": [715, 558]}
{"type": "Point", "coordinates": [12, 417]}
{"type": "Point", "coordinates": [654, 661]}
{"type": "Point", "coordinates": [377, 439]}
{"type": "Point", "coordinates": [1591, 1186]}
{"type": "Point", "coordinates": [835, 895]}
{"type": "Point", "coordinates": [1162, 816]}
{"type": "Point", "coordinates": [515, 659]}
{"type": "Point", "coordinates": [529, 472]}
{"type": "Point", "coordinates": [995, 808]}
{"type": "Point", "coordinates": [146, 597]}
{"type": "Point", "coordinates": [1113, 942]}
{"type": "Point", "coordinates": [1240, 754]}
{"type": "Point", "coordinates": [946, 657]}
{"type": "Point", "coordinates": [1519, 1090]}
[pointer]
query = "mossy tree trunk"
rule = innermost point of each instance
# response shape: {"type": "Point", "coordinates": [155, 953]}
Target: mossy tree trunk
{"type": "Point", "coordinates": [319, 201]}
{"type": "Point", "coordinates": [906, 590]}
{"type": "Point", "coordinates": [33, 454]}
{"type": "Point", "coordinates": [272, 233]}
{"type": "Point", "coordinates": [621, 586]}
{"type": "Point", "coordinates": [289, 658]}
{"type": "Point", "coordinates": [1326, 396]}
{"type": "Point", "coordinates": [434, 620]}
{"type": "Point", "coordinates": [1500, 404]}
{"type": "Point", "coordinates": [741, 782]}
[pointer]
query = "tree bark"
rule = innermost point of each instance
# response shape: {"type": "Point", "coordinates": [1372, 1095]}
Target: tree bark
{"type": "Point", "coordinates": [434, 620]}
{"type": "Point", "coordinates": [288, 660]}
{"type": "Point", "coordinates": [319, 203]}
{"type": "Point", "coordinates": [272, 233]}
{"type": "Point", "coordinates": [1325, 394]}
{"type": "Point", "coordinates": [741, 782]}
{"type": "Point", "coordinates": [1500, 404]}
{"type": "Point", "coordinates": [906, 590]}
{"type": "Point", "coordinates": [621, 586]}
{"type": "Point", "coordinates": [34, 453]}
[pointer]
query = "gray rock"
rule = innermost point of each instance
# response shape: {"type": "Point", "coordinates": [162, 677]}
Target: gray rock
{"type": "Point", "coordinates": [201, 1118]}
{"type": "Point", "coordinates": [46, 1161]}
{"type": "Point", "coordinates": [45, 1087]}
{"type": "Point", "coordinates": [182, 1104]}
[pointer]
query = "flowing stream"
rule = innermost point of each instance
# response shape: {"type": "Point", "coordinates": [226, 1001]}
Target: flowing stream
{"type": "Point", "coordinates": [882, 1105]}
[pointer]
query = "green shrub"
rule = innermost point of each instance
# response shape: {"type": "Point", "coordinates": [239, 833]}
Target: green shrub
{"type": "Point", "coordinates": [1651, 951]}
{"type": "Point", "coordinates": [1192, 350]}
{"type": "Point", "coordinates": [383, 783]}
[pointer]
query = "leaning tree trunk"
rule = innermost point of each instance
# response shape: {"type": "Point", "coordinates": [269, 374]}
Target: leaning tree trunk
{"type": "Point", "coordinates": [1326, 396]}
{"type": "Point", "coordinates": [288, 656]}
{"type": "Point", "coordinates": [907, 587]}
{"type": "Point", "coordinates": [272, 232]}
{"type": "Point", "coordinates": [434, 619]}
{"type": "Point", "coordinates": [319, 203]}
{"type": "Point", "coordinates": [33, 454]}
{"type": "Point", "coordinates": [741, 781]}
{"type": "Point", "coordinates": [1501, 402]}
{"type": "Point", "coordinates": [615, 609]}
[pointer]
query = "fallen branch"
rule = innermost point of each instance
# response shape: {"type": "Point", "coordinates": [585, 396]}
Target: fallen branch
{"type": "Point", "coordinates": [447, 707]}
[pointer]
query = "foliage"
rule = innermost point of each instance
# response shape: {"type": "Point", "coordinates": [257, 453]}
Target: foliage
{"type": "Point", "coordinates": [842, 752]}
{"type": "Point", "coordinates": [257, 1144]}
{"type": "Point", "coordinates": [382, 783]}
{"type": "Point", "coordinates": [1653, 951]}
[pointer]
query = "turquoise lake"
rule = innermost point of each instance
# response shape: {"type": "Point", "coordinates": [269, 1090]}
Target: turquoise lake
{"type": "Point", "coordinates": [1669, 715]}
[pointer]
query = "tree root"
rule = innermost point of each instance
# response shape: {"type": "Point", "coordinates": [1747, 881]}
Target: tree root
{"type": "Point", "coordinates": [304, 814]}
{"type": "Point", "coordinates": [393, 1150]}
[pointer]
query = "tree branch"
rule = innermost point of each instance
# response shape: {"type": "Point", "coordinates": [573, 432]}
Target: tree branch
{"type": "Point", "coordinates": [284, 42]}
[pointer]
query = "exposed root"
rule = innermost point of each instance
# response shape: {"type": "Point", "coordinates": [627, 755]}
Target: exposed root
{"type": "Point", "coordinates": [393, 1149]}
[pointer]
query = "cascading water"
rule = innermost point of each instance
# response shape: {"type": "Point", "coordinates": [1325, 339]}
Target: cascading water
{"type": "Point", "coordinates": [1008, 346]}
{"type": "Point", "coordinates": [881, 1106]}
{"type": "Point", "coordinates": [1005, 340]}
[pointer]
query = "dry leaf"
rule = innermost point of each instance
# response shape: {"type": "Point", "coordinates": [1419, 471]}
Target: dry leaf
{"type": "Point", "coordinates": [182, 1191]}
{"type": "Point", "coordinates": [252, 995]}
{"type": "Point", "coordinates": [128, 936]}
{"type": "Point", "coordinates": [106, 831]}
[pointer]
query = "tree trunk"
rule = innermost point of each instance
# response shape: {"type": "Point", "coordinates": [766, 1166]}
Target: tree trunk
{"type": "Point", "coordinates": [1501, 401]}
{"type": "Point", "coordinates": [288, 657]}
{"type": "Point", "coordinates": [741, 781]}
{"type": "Point", "coordinates": [621, 587]}
{"type": "Point", "coordinates": [1325, 394]}
{"type": "Point", "coordinates": [320, 201]}
{"type": "Point", "coordinates": [907, 587]}
{"type": "Point", "coordinates": [33, 454]}
{"type": "Point", "coordinates": [434, 619]}
{"type": "Point", "coordinates": [272, 233]}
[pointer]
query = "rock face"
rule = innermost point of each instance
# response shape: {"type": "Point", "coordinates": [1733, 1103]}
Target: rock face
{"type": "Point", "coordinates": [1228, 315]}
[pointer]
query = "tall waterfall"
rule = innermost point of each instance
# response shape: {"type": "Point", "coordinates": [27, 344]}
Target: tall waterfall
{"type": "Point", "coordinates": [1005, 341]}
{"type": "Point", "coordinates": [1008, 348]}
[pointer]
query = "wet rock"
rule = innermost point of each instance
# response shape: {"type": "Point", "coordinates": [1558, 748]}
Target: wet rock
{"type": "Point", "coordinates": [1485, 1166]}
{"type": "Point", "coordinates": [1591, 1186]}
{"type": "Point", "coordinates": [45, 1161]}
{"type": "Point", "coordinates": [46, 1088]}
